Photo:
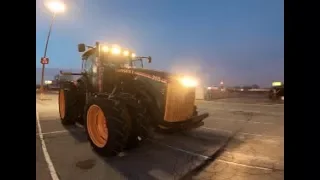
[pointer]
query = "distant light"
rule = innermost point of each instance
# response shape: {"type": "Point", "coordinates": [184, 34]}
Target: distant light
{"type": "Point", "coordinates": [56, 6]}
{"type": "Point", "coordinates": [47, 82]}
{"type": "Point", "coordinates": [133, 55]}
{"type": "Point", "coordinates": [276, 84]}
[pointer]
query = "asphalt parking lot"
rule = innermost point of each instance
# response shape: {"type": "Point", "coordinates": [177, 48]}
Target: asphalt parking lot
{"type": "Point", "coordinates": [255, 151]}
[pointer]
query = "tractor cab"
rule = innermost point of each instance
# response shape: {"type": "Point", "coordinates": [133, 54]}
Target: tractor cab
{"type": "Point", "coordinates": [110, 56]}
{"type": "Point", "coordinates": [101, 62]}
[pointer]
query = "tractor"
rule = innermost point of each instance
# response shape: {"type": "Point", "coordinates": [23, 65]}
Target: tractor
{"type": "Point", "coordinates": [118, 101]}
{"type": "Point", "coordinates": [277, 91]}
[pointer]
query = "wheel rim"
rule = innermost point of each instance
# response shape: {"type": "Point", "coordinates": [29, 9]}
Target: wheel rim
{"type": "Point", "coordinates": [97, 126]}
{"type": "Point", "coordinates": [61, 104]}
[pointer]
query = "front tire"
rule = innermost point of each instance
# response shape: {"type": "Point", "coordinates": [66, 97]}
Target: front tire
{"type": "Point", "coordinates": [106, 123]}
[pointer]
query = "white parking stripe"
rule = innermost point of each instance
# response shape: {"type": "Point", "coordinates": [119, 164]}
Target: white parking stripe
{"type": "Point", "coordinates": [53, 132]}
{"type": "Point", "coordinates": [244, 133]}
{"type": "Point", "coordinates": [207, 157]}
{"type": "Point", "coordinates": [244, 104]}
{"type": "Point", "coordinates": [59, 132]}
{"type": "Point", "coordinates": [51, 168]}
{"type": "Point", "coordinates": [182, 150]}
{"type": "Point", "coordinates": [253, 122]}
{"type": "Point", "coordinates": [244, 165]}
{"type": "Point", "coordinates": [241, 110]}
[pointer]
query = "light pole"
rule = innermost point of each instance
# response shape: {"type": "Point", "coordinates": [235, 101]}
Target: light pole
{"type": "Point", "coordinates": [55, 7]}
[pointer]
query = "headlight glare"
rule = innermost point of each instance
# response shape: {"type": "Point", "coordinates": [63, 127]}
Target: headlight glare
{"type": "Point", "coordinates": [105, 48]}
{"type": "Point", "coordinates": [115, 50]}
{"type": "Point", "coordinates": [189, 82]}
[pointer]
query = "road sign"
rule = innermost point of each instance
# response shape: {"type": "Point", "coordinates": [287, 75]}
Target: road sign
{"type": "Point", "coordinates": [44, 60]}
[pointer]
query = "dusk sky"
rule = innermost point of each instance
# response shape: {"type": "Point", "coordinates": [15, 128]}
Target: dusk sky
{"type": "Point", "coordinates": [237, 41]}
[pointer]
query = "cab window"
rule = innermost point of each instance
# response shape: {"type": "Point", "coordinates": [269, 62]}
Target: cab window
{"type": "Point", "coordinates": [89, 64]}
{"type": "Point", "coordinates": [137, 64]}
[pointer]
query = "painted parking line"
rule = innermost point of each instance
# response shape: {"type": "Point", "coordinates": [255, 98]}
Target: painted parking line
{"type": "Point", "coordinates": [208, 158]}
{"type": "Point", "coordinates": [253, 122]}
{"type": "Point", "coordinates": [243, 104]}
{"type": "Point", "coordinates": [48, 160]}
{"type": "Point", "coordinates": [244, 133]}
{"type": "Point", "coordinates": [53, 132]}
{"type": "Point", "coordinates": [60, 132]}
{"type": "Point", "coordinates": [174, 148]}
{"type": "Point", "coordinates": [242, 111]}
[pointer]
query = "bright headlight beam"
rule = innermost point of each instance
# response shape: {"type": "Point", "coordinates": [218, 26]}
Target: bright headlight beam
{"type": "Point", "coordinates": [188, 82]}
{"type": "Point", "coordinates": [115, 50]}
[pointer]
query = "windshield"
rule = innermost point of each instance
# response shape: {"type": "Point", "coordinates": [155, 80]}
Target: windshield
{"type": "Point", "coordinates": [135, 64]}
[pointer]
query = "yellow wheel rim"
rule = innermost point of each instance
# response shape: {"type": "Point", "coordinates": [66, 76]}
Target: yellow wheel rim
{"type": "Point", "coordinates": [97, 126]}
{"type": "Point", "coordinates": [62, 108]}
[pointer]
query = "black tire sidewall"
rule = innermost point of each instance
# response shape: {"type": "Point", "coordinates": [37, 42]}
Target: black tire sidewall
{"type": "Point", "coordinates": [118, 129]}
{"type": "Point", "coordinates": [70, 111]}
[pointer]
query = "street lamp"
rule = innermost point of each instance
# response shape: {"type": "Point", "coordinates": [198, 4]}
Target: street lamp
{"type": "Point", "coordinates": [55, 7]}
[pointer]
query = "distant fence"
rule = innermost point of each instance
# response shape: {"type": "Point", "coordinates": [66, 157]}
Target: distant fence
{"type": "Point", "coordinates": [234, 93]}
{"type": "Point", "coordinates": [259, 90]}
{"type": "Point", "coordinates": [216, 94]}
{"type": "Point", "coordinates": [47, 88]}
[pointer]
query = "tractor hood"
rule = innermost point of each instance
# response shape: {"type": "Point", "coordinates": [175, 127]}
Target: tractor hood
{"type": "Point", "coordinates": [155, 74]}
{"type": "Point", "coordinates": [160, 76]}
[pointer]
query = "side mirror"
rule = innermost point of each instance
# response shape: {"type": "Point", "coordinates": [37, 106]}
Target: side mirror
{"type": "Point", "coordinates": [149, 59]}
{"type": "Point", "coordinates": [81, 47]}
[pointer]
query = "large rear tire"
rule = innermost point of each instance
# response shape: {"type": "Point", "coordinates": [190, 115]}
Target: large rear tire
{"type": "Point", "coordinates": [67, 110]}
{"type": "Point", "coordinates": [106, 123]}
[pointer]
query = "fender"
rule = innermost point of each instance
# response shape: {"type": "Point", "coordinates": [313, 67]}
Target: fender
{"type": "Point", "coordinates": [68, 85]}
{"type": "Point", "coordinates": [152, 99]}
{"type": "Point", "coordinates": [84, 90]}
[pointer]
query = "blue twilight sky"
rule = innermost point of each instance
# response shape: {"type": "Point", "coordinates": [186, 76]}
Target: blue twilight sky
{"type": "Point", "coordinates": [238, 41]}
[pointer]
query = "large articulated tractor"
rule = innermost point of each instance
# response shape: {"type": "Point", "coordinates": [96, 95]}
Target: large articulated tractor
{"type": "Point", "coordinates": [118, 101]}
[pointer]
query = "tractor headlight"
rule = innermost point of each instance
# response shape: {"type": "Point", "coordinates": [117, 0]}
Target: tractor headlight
{"type": "Point", "coordinates": [126, 53]}
{"type": "Point", "coordinates": [188, 82]}
{"type": "Point", "coordinates": [115, 50]}
{"type": "Point", "coordinates": [105, 48]}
